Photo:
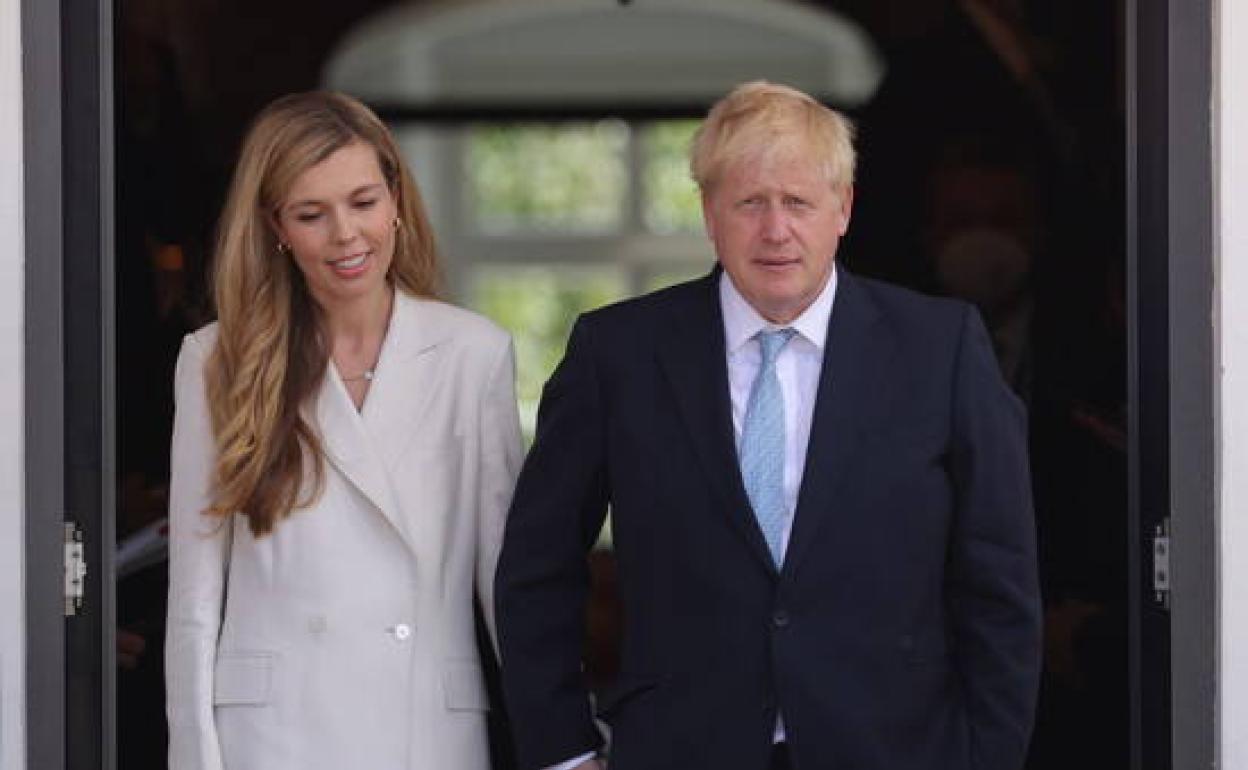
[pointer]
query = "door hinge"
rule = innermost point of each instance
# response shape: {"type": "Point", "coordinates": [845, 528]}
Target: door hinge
{"type": "Point", "coordinates": [1161, 563]}
{"type": "Point", "coordinates": [75, 569]}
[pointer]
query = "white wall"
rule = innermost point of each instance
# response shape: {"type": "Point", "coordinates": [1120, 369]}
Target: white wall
{"type": "Point", "coordinates": [12, 290]}
{"type": "Point", "coordinates": [574, 51]}
{"type": "Point", "coordinates": [1231, 164]}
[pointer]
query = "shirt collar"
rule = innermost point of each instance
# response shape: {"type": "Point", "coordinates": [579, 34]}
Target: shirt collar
{"type": "Point", "coordinates": [742, 321]}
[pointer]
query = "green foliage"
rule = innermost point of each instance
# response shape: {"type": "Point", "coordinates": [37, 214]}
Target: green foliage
{"type": "Point", "coordinates": [538, 305]}
{"type": "Point", "coordinates": [671, 198]}
{"type": "Point", "coordinates": [569, 179]}
{"type": "Point", "coordinates": [548, 177]}
{"type": "Point", "coordinates": [675, 275]}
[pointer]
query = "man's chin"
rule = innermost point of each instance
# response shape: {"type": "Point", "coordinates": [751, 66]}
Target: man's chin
{"type": "Point", "coordinates": [780, 309]}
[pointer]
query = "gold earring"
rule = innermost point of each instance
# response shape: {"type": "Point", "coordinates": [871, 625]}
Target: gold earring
{"type": "Point", "coordinates": [283, 247]}
{"type": "Point", "coordinates": [398, 223]}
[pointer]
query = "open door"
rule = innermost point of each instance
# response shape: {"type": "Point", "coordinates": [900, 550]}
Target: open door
{"type": "Point", "coordinates": [69, 521]}
{"type": "Point", "coordinates": [1173, 554]}
{"type": "Point", "coordinates": [70, 429]}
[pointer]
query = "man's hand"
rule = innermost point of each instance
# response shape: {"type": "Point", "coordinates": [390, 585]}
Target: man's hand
{"type": "Point", "coordinates": [1062, 626]}
{"type": "Point", "coordinates": [130, 647]}
{"type": "Point", "coordinates": [591, 764]}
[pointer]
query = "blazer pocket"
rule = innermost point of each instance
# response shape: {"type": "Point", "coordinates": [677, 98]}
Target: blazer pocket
{"type": "Point", "coordinates": [924, 649]}
{"type": "Point", "coordinates": [908, 435]}
{"type": "Point", "coordinates": [621, 691]}
{"type": "Point", "coordinates": [243, 679]}
{"type": "Point", "coordinates": [464, 686]}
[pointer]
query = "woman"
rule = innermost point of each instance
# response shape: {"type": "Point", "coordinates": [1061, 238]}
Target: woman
{"type": "Point", "coordinates": [344, 451]}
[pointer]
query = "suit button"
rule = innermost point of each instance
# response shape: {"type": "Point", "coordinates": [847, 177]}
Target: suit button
{"type": "Point", "coordinates": [780, 619]}
{"type": "Point", "coordinates": [402, 631]}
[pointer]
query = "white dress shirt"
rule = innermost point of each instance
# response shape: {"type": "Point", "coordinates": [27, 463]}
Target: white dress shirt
{"type": "Point", "coordinates": [797, 368]}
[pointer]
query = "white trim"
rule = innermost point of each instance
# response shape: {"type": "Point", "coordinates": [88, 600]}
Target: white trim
{"type": "Point", "coordinates": [1231, 320]}
{"type": "Point", "coordinates": [437, 160]}
{"type": "Point", "coordinates": [12, 357]}
{"type": "Point", "coordinates": [508, 51]}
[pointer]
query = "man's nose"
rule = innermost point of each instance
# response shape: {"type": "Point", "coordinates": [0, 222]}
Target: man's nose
{"type": "Point", "coordinates": [775, 225]}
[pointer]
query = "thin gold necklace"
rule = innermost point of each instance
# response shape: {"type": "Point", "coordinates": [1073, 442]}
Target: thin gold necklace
{"type": "Point", "coordinates": [367, 376]}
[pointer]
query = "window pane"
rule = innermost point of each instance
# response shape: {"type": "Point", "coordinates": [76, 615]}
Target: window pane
{"type": "Point", "coordinates": [538, 305]}
{"type": "Point", "coordinates": [671, 201]}
{"type": "Point", "coordinates": [544, 178]}
{"type": "Point", "coordinates": [670, 276]}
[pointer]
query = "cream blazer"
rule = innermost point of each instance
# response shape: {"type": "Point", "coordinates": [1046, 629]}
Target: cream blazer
{"type": "Point", "coordinates": [345, 638]}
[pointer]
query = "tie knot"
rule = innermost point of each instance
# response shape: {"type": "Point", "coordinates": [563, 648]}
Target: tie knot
{"type": "Point", "coordinates": [773, 342]}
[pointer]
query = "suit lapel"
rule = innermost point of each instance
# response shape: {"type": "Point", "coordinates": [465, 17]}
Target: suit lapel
{"type": "Point", "coordinates": [693, 358]}
{"type": "Point", "coordinates": [852, 381]}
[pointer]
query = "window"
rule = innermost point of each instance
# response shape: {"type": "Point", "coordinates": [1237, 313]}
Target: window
{"type": "Point", "coordinates": [537, 305]}
{"type": "Point", "coordinates": [557, 219]}
{"type": "Point", "coordinates": [551, 179]}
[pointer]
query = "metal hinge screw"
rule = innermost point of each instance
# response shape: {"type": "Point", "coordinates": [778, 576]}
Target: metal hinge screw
{"type": "Point", "coordinates": [1161, 563]}
{"type": "Point", "coordinates": [75, 569]}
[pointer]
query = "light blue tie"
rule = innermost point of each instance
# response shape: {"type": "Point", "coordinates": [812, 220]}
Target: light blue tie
{"type": "Point", "coordinates": [762, 444]}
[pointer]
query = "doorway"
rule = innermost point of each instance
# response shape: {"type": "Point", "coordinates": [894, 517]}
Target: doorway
{"type": "Point", "coordinates": [1031, 114]}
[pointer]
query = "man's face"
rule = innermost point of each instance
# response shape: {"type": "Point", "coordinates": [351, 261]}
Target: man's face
{"type": "Point", "coordinates": [776, 223]}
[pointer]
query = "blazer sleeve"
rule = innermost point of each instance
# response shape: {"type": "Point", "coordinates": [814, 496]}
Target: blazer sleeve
{"type": "Point", "coordinates": [502, 451]}
{"type": "Point", "coordinates": [543, 575]}
{"type": "Point", "coordinates": [198, 556]}
{"type": "Point", "coordinates": [994, 588]}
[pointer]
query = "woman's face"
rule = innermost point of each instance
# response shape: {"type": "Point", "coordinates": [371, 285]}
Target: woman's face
{"type": "Point", "coordinates": [340, 222]}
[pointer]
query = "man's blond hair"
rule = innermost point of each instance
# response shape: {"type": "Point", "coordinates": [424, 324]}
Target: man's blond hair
{"type": "Point", "coordinates": [765, 120]}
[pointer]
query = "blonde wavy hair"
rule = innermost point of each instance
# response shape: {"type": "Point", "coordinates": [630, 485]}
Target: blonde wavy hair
{"type": "Point", "coordinates": [271, 353]}
{"type": "Point", "coordinates": [766, 119]}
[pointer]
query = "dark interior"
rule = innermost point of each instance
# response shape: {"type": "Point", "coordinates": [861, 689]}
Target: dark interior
{"type": "Point", "coordinates": [992, 168]}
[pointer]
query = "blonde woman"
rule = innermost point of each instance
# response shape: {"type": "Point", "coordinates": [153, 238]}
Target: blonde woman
{"type": "Point", "coordinates": [343, 456]}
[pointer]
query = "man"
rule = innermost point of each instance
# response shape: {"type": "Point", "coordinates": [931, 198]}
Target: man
{"type": "Point", "coordinates": [819, 494]}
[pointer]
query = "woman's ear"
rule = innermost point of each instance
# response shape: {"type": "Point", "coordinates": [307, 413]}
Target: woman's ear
{"type": "Point", "coordinates": [275, 226]}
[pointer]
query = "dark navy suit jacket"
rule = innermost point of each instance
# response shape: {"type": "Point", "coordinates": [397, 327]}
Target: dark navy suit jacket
{"type": "Point", "coordinates": [903, 630]}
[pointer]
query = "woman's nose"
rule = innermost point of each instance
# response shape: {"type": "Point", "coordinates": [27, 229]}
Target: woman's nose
{"type": "Point", "coordinates": [344, 228]}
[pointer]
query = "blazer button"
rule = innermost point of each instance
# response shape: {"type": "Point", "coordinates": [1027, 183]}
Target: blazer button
{"type": "Point", "coordinates": [402, 631]}
{"type": "Point", "coordinates": [780, 619]}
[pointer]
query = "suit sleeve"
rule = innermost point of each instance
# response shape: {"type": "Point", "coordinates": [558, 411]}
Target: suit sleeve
{"type": "Point", "coordinates": [994, 590]}
{"type": "Point", "coordinates": [198, 555]}
{"type": "Point", "coordinates": [543, 575]}
{"type": "Point", "coordinates": [502, 450]}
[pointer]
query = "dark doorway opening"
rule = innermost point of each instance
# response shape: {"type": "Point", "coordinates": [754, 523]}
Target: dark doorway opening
{"type": "Point", "coordinates": [992, 168]}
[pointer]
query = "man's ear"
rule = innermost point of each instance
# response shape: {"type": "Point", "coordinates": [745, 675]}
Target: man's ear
{"type": "Point", "coordinates": [708, 215]}
{"type": "Point", "coordinates": [847, 207]}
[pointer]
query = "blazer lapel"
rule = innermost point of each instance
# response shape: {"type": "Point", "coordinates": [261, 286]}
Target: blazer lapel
{"type": "Point", "coordinates": [349, 449]}
{"type": "Point", "coordinates": [410, 373]}
{"type": "Point", "coordinates": [852, 379]}
{"type": "Point", "coordinates": [693, 359]}
{"type": "Point", "coordinates": [362, 446]}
